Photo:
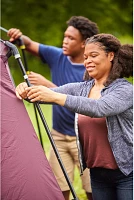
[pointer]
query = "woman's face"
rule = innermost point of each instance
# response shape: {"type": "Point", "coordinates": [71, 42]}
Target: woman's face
{"type": "Point", "coordinates": [97, 62]}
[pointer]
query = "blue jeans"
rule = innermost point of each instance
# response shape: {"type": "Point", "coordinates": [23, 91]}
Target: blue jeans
{"type": "Point", "coordinates": [110, 184]}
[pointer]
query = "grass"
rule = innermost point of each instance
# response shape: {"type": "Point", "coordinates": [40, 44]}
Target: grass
{"type": "Point", "coordinates": [47, 112]}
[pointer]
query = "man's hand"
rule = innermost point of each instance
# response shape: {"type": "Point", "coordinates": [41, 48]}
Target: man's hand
{"type": "Point", "coordinates": [14, 34]}
{"type": "Point", "coordinates": [38, 79]}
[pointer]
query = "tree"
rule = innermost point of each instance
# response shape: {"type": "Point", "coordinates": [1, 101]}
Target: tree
{"type": "Point", "coordinates": [45, 21]}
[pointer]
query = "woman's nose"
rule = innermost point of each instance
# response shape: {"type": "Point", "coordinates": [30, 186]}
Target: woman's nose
{"type": "Point", "coordinates": [89, 60]}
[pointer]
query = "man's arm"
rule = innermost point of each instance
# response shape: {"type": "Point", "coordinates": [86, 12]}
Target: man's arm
{"type": "Point", "coordinates": [38, 79]}
{"type": "Point", "coordinates": [30, 45]}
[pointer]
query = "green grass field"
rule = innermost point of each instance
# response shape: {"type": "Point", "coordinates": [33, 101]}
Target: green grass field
{"type": "Point", "coordinates": [47, 111]}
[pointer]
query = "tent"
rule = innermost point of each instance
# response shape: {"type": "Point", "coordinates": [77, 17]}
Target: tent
{"type": "Point", "coordinates": [25, 171]}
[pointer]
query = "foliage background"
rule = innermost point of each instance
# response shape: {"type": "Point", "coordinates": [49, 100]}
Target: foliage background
{"type": "Point", "coordinates": [45, 22]}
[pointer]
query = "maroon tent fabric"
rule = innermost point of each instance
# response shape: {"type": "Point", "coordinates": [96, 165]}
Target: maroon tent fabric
{"type": "Point", "coordinates": [25, 171]}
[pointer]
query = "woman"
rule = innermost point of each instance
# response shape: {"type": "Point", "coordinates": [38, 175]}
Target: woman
{"type": "Point", "coordinates": [104, 103]}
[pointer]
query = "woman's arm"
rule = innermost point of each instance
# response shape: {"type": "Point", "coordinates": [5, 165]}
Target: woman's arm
{"type": "Point", "coordinates": [115, 102]}
{"type": "Point", "coordinates": [44, 94]}
{"type": "Point", "coordinates": [71, 88]}
{"type": "Point", "coordinates": [112, 103]}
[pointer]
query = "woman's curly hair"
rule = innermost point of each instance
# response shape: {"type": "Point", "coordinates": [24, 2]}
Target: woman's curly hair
{"type": "Point", "coordinates": [122, 64]}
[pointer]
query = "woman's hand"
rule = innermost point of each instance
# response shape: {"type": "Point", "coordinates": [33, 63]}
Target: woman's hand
{"type": "Point", "coordinates": [44, 94]}
{"type": "Point", "coordinates": [21, 93]}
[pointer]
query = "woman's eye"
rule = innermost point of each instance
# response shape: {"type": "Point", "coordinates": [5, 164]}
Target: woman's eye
{"type": "Point", "coordinates": [94, 55]}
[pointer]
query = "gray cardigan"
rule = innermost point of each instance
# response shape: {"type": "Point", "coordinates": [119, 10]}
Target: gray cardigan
{"type": "Point", "coordinates": [116, 104]}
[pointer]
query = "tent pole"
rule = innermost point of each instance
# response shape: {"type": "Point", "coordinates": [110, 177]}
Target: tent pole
{"type": "Point", "coordinates": [22, 47]}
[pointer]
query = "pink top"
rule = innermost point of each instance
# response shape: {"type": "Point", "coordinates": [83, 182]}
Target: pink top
{"type": "Point", "coordinates": [93, 137]}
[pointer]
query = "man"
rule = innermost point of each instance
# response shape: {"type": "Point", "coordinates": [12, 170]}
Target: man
{"type": "Point", "coordinates": [66, 65]}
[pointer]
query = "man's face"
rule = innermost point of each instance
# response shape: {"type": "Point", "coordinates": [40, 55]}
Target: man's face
{"type": "Point", "coordinates": [72, 42]}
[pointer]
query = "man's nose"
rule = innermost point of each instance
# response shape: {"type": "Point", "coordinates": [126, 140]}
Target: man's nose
{"type": "Point", "coordinates": [65, 40]}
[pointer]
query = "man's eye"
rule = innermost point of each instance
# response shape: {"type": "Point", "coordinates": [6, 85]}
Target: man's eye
{"type": "Point", "coordinates": [71, 38]}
